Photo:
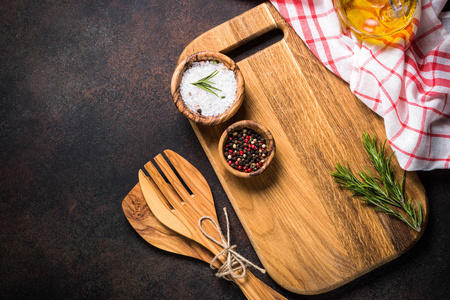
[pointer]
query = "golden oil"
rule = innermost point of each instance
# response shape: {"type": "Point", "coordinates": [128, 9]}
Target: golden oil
{"type": "Point", "coordinates": [377, 18]}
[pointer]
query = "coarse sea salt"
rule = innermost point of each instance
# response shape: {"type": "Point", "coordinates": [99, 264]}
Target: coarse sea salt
{"type": "Point", "coordinates": [204, 102]}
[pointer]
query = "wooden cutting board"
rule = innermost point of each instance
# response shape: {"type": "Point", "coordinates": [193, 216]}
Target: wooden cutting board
{"type": "Point", "coordinates": [309, 234]}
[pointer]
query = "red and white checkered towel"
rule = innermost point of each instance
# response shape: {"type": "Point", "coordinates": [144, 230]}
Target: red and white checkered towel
{"type": "Point", "coordinates": [409, 89]}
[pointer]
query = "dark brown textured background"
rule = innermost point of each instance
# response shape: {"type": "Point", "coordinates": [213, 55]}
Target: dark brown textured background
{"type": "Point", "coordinates": [84, 103]}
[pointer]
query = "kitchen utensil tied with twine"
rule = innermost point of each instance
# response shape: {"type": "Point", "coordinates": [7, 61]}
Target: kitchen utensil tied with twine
{"type": "Point", "coordinates": [179, 196]}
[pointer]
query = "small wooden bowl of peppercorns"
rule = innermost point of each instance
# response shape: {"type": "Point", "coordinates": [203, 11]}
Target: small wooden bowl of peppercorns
{"type": "Point", "coordinates": [246, 148]}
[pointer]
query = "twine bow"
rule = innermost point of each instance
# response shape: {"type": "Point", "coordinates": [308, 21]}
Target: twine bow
{"type": "Point", "coordinates": [234, 262]}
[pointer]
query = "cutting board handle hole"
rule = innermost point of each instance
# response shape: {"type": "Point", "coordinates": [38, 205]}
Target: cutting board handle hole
{"type": "Point", "coordinates": [256, 44]}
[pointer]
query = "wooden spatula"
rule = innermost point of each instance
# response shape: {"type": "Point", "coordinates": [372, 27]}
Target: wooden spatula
{"type": "Point", "coordinates": [157, 234]}
{"type": "Point", "coordinates": [180, 205]}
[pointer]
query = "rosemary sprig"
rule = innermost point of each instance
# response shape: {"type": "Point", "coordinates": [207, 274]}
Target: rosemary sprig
{"type": "Point", "coordinates": [205, 83]}
{"type": "Point", "coordinates": [382, 191]}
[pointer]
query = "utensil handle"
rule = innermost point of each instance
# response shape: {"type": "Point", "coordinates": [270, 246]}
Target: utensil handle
{"type": "Point", "coordinates": [250, 285]}
{"type": "Point", "coordinates": [238, 31]}
{"type": "Point", "coordinates": [255, 289]}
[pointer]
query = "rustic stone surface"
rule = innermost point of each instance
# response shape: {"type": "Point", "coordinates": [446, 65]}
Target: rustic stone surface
{"type": "Point", "coordinates": [84, 103]}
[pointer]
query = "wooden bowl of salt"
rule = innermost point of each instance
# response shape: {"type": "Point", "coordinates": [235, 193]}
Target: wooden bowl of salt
{"type": "Point", "coordinates": [246, 148]}
{"type": "Point", "coordinates": [207, 88]}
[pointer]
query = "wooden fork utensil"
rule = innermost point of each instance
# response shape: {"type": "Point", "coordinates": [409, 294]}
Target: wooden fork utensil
{"type": "Point", "coordinates": [179, 197]}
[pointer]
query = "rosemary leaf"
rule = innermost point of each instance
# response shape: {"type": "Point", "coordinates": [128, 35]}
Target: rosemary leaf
{"type": "Point", "coordinates": [206, 84]}
{"type": "Point", "coordinates": [383, 191]}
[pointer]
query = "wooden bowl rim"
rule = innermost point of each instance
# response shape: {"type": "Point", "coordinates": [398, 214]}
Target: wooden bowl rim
{"type": "Point", "coordinates": [186, 64]}
{"type": "Point", "coordinates": [260, 129]}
